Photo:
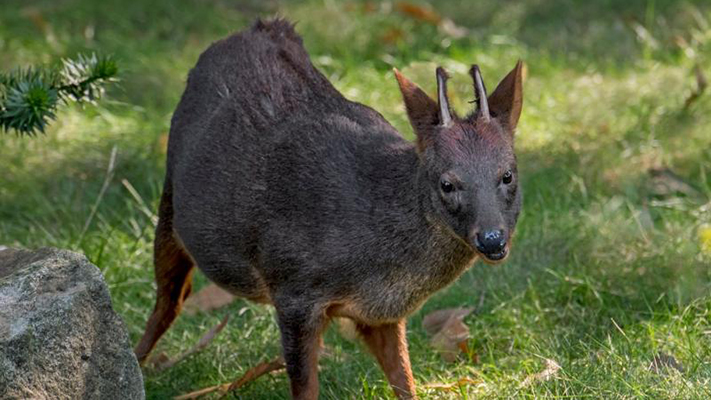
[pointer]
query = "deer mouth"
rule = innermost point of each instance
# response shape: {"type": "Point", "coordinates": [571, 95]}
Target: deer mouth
{"type": "Point", "coordinates": [495, 258]}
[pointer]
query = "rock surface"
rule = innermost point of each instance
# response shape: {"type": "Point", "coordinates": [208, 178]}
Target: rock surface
{"type": "Point", "coordinates": [59, 336]}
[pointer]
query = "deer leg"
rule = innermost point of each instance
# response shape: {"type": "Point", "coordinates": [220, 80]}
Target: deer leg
{"type": "Point", "coordinates": [301, 331]}
{"type": "Point", "coordinates": [173, 274]}
{"type": "Point", "coordinates": [388, 343]}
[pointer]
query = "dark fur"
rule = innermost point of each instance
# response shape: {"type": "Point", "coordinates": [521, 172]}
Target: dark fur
{"type": "Point", "coordinates": [283, 191]}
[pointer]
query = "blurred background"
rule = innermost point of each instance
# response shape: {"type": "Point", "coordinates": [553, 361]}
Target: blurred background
{"type": "Point", "coordinates": [610, 268]}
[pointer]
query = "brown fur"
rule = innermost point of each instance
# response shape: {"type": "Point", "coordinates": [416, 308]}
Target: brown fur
{"type": "Point", "coordinates": [388, 343]}
{"type": "Point", "coordinates": [173, 273]}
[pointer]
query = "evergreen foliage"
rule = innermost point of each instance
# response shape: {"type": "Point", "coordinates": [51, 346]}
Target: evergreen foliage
{"type": "Point", "coordinates": [29, 97]}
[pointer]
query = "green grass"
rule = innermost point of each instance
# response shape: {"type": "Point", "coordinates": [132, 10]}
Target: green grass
{"type": "Point", "coordinates": [604, 275]}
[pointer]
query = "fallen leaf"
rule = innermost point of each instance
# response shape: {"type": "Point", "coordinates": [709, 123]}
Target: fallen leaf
{"type": "Point", "coordinates": [418, 12]}
{"type": "Point", "coordinates": [254, 373]}
{"type": "Point", "coordinates": [163, 362]}
{"type": "Point", "coordinates": [448, 341]}
{"type": "Point", "coordinates": [550, 371]}
{"type": "Point", "coordinates": [449, 334]}
{"type": "Point", "coordinates": [434, 321]}
{"type": "Point", "coordinates": [662, 362]}
{"type": "Point", "coordinates": [211, 297]}
{"type": "Point", "coordinates": [430, 16]}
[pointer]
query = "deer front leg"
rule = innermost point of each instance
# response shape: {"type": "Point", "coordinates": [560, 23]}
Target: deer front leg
{"type": "Point", "coordinates": [389, 345]}
{"type": "Point", "coordinates": [301, 331]}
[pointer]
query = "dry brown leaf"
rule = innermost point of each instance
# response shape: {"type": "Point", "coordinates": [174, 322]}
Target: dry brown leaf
{"type": "Point", "coordinates": [254, 373]}
{"type": "Point", "coordinates": [448, 340]}
{"type": "Point", "coordinates": [418, 12]}
{"type": "Point", "coordinates": [163, 362]}
{"type": "Point", "coordinates": [449, 334]}
{"type": "Point", "coordinates": [430, 16]}
{"type": "Point", "coordinates": [464, 348]}
{"type": "Point", "coordinates": [550, 371]}
{"type": "Point", "coordinates": [211, 297]}
{"type": "Point", "coordinates": [434, 321]}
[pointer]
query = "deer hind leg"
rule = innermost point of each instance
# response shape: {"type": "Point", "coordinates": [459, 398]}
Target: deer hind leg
{"type": "Point", "coordinates": [173, 274]}
{"type": "Point", "coordinates": [301, 330]}
{"type": "Point", "coordinates": [388, 343]}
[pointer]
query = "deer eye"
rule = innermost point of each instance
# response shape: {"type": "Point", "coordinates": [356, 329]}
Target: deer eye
{"type": "Point", "coordinates": [507, 178]}
{"type": "Point", "coordinates": [447, 187]}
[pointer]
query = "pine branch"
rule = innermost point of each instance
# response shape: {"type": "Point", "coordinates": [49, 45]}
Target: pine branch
{"type": "Point", "coordinates": [29, 97]}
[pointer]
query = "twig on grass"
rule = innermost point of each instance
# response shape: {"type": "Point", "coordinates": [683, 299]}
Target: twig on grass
{"type": "Point", "coordinates": [254, 373]}
{"type": "Point", "coordinates": [161, 362]}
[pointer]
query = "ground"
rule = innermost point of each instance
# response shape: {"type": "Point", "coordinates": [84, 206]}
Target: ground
{"type": "Point", "coordinates": [610, 266]}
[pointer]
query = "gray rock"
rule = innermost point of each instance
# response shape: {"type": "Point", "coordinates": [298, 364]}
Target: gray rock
{"type": "Point", "coordinates": [59, 336]}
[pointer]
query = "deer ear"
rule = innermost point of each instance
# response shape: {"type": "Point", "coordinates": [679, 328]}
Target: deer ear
{"type": "Point", "coordinates": [507, 100]}
{"type": "Point", "coordinates": [422, 111]}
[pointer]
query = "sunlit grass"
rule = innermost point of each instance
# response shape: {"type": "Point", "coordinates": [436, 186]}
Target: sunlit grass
{"type": "Point", "coordinates": [605, 273]}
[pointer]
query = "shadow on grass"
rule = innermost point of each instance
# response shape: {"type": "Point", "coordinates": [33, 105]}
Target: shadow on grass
{"type": "Point", "coordinates": [583, 33]}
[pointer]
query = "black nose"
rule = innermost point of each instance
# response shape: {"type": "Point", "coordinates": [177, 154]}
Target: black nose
{"type": "Point", "coordinates": [491, 241]}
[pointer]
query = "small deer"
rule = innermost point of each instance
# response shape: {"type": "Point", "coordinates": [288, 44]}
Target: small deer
{"type": "Point", "coordinates": [284, 192]}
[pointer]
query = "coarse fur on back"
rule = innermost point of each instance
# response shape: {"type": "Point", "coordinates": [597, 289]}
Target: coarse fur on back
{"type": "Point", "coordinates": [282, 191]}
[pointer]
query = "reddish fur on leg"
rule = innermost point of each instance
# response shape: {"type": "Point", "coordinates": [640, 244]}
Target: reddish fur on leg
{"type": "Point", "coordinates": [388, 343]}
{"type": "Point", "coordinates": [173, 273]}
